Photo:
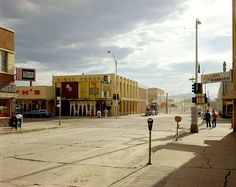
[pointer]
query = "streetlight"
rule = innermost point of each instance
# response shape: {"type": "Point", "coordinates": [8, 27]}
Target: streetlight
{"type": "Point", "coordinates": [115, 81]}
{"type": "Point", "coordinates": [194, 110]}
{"type": "Point", "coordinates": [197, 64]}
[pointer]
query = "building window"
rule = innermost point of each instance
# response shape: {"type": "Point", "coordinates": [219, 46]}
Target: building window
{"type": "Point", "coordinates": [3, 61]}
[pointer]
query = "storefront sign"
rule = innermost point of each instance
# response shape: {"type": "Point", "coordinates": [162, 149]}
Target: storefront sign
{"type": "Point", "coordinates": [28, 92]}
{"type": "Point", "coordinates": [215, 77]}
{"type": "Point", "coordinates": [24, 74]}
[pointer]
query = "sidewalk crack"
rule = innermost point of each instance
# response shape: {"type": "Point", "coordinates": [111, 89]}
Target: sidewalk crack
{"type": "Point", "coordinates": [226, 178]}
{"type": "Point", "coordinates": [208, 160]}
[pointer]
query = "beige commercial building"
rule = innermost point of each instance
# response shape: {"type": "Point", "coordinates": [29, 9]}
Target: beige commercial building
{"type": "Point", "coordinates": [86, 94]}
{"type": "Point", "coordinates": [33, 98]}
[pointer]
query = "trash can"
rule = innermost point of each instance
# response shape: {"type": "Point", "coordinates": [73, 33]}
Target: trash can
{"type": "Point", "coordinates": [13, 123]}
{"type": "Point", "coordinates": [16, 121]}
{"type": "Point", "coordinates": [99, 114]}
{"type": "Point", "coordinates": [106, 111]}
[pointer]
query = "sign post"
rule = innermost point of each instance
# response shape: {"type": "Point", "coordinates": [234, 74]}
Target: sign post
{"type": "Point", "coordinates": [177, 119]}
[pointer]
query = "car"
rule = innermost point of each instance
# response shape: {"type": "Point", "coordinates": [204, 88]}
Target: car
{"type": "Point", "coordinates": [149, 112]}
{"type": "Point", "coordinates": [38, 114]}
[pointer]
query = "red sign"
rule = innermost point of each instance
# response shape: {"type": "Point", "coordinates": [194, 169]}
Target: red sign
{"type": "Point", "coordinates": [26, 92]}
{"type": "Point", "coordinates": [69, 89]}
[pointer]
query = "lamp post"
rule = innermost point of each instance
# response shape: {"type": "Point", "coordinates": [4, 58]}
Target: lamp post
{"type": "Point", "coordinates": [197, 64]}
{"type": "Point", "coordinates": [115, 82]}
{"type": "Point", "coordinates": [194, 110]}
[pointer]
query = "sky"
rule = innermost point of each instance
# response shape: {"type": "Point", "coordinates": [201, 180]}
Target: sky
{"type": "Point", "coordinates": [153, 41]}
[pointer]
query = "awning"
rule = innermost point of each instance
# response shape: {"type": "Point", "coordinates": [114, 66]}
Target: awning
{"type": "Point", "coordinates": [230, 95]}
{"type": "Point", "coordinates": [4, 95]}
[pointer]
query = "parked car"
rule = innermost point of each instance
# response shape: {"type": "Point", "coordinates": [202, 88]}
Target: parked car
{"type": "Point", "coordinates": [38, 114]}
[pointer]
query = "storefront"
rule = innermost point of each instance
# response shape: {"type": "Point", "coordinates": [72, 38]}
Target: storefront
{"type": "Point", "coordinates": [34, 98]}
{"type": "Point", "coordinates": [7, 103]}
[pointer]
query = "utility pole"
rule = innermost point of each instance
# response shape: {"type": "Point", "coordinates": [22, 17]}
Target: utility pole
{"type": "Point", "coordinates": [167, 103]}
{"type": "Point", "coordinates": [194, 109]}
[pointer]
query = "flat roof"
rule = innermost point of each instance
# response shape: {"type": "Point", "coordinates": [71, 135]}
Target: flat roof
{"type": "Point", "coordinates": [6, 29]}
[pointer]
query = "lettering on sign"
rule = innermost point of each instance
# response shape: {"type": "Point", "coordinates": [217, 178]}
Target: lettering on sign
{"type": "Point", "coordinates": [215, 77]}
{"type": "Point", "coordinates": [26, 92]}
{"type": "Point", "coordinates": [24, 74]}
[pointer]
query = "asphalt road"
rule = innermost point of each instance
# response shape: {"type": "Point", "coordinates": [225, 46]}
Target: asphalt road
{"type": "Point", "coordinates": [83, 151]}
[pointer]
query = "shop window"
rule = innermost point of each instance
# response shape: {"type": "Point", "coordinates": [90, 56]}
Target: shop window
{"type": "Point", "coordinates": [3, 61]}
{"type": "Point", "coordinates": [4, 107]}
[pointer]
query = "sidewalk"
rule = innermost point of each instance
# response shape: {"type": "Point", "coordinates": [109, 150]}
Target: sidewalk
{"type": "Point", "coordinates": [28, 127]}
{"type": "Point", "coordinates": [203, 159]}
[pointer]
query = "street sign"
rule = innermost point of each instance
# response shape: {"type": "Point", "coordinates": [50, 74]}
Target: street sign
{"type": "Point", "coordinates": [215, 77]}
{"type": "Point", "coordinates": [200, 99]}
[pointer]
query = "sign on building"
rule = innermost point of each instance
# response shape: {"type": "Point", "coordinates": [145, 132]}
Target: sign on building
{"type": "Point", "coordinates": [69, 89]}
{"type": "Point", "coordinates": [215, 77]}
{"type": "Point", "coordinates": [24, 74]}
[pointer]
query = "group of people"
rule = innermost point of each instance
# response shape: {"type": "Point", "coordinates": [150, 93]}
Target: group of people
{"type": "Point", "coordinates": [210, 118]}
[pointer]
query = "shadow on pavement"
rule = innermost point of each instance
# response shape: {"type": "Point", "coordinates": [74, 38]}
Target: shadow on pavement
{"type": "Point", "coordinates": [213, 164]}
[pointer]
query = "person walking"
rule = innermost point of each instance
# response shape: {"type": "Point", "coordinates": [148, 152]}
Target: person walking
{"type": "Point", "coordinates": [214, 116]}
{"type": "Point", "coordinates": [207, 117]}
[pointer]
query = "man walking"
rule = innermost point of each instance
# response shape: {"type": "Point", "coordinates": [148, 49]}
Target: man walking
{"type": "Point", "coordinates": [207, 117]}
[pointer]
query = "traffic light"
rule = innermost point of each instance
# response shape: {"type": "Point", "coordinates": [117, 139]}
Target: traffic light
{"type": "Point", "coordinates": [205, 98]}
{"type": "Point", "coordinates": [194, 100]}
{"type": "Point", "coordinates": [58, 102]}
{"type": "Point", "coordinates": [194, 85]}
{"type": "Point", "coordinates": [199, 88]}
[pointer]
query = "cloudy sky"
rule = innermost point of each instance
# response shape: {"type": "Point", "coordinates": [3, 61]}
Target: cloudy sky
{"type": "Point", "coordinates": [152, 40]}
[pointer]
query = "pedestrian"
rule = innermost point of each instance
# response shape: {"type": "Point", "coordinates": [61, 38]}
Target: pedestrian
{"type": "Point", "coordinates": [207, 117]}
{"type": "Point", "coordinates": [214, 116]}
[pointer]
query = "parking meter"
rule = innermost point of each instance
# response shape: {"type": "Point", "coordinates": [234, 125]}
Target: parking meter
{"type": "Point", "coordinates": [150, 123]}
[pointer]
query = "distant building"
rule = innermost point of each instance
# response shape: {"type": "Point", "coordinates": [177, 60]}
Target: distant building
{"type": "Point", "coordinates": [84, 95]}
{"type": "Point", "coordinates": [156, 96]}
{"type": "Point", "coordinates": [7, 83]}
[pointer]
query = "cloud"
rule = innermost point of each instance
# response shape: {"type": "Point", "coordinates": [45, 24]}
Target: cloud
{"type": "Point", "coordinates": [152, 40]}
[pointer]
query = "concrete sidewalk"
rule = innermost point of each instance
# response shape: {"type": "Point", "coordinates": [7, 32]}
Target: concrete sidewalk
{"type": "Point", "coordinates": [30, 127]}
{"type": "Point", "coordinates": [203, 159]}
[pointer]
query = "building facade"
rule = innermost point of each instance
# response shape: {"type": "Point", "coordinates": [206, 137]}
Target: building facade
{"type": "Point", "coordinates": [7, 83]}
{"type": "Point", "coordinates": [224, 106]}
{"type": "Point", "coordinates": [34, 98]}
{"type": "Point", "coordinates": [156, 96]}
{"type": "Point", "coordinates": [85, 95]}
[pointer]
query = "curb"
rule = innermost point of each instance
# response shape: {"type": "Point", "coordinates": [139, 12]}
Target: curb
{"type": "Point", "coordinates": [13, 131]}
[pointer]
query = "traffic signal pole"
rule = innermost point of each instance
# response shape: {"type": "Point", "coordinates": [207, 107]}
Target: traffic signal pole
{"type": "Point", "coordinates": [194, 115]}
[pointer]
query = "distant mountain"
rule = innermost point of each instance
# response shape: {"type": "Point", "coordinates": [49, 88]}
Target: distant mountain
{"type": "Point", "coordinates": [182, 96]}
